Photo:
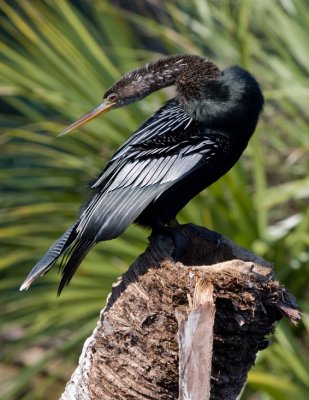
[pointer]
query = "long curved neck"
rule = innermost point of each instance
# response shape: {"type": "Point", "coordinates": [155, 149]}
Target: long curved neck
{"type": "Point", "coordinates": [162, 73]}
{"type": "Point", "coordinates": [165, 72]}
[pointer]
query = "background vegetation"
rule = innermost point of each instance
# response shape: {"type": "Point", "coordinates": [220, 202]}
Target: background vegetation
{"type": "Point", "coordinates": [56, 60]}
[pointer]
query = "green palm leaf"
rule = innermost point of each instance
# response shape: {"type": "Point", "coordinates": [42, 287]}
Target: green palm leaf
{"type": "Point", "coordinates": [57, 58]}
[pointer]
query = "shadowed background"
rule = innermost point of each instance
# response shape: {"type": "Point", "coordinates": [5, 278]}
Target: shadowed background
{"type": "Point", "coordinates": [56, 60]}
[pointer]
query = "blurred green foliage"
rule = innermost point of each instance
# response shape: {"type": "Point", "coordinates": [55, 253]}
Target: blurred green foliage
{"type": "Point", "coordinates": [56, 60]}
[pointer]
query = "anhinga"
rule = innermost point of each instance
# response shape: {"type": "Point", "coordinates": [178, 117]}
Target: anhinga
{"type": "Point", "coordinates": [188, 144]}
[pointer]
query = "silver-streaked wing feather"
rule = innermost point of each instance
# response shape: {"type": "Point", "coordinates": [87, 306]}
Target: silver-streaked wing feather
{"type": "Point", "coordinates": [147, 164]}
{"type": "Point", "coordinates": [168, 119]}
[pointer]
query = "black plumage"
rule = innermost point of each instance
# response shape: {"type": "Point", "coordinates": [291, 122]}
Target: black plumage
{"type": "Point", "coordinates": [183, 148]}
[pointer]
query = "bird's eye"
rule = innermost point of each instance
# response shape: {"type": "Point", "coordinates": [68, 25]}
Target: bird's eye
{"type": "Point", "coordinates": [112, 97]}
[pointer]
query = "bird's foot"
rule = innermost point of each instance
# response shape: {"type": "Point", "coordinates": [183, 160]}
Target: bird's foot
{"type": "Point", "coordinates": [173, 223]}
{"type": "Point", "coordinates": [206, 234]}
{"type": "Point", "coordinates": [182, 237]}
{"type": "Point", "coordinates": [180, 240]}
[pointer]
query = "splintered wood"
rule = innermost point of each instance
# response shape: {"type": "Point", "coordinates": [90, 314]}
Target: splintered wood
{"type": "Point", "coordinates": [195, 337]}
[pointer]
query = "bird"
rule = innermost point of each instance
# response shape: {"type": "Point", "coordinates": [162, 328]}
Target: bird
{"type": "Point", "coordinates": [187, 145]}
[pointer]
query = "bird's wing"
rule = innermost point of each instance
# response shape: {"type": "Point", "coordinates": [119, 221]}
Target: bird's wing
{"type": "Point", "coordinates": [168, 119]}
{"type": "Point", "coordinates": [149, 163]}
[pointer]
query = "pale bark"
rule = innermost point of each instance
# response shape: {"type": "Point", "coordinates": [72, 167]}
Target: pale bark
{"type": "Point", "coordinates": [195, 338]}
{"type": "Point", "coordinates": [133, 352]}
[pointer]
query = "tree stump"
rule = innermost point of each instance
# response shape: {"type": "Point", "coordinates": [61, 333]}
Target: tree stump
{"type": "Point", "coordinates": [217, 303]}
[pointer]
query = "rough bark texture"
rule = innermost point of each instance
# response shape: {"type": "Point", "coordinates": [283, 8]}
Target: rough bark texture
{"type": "Point", "coordinates": [133, 352]}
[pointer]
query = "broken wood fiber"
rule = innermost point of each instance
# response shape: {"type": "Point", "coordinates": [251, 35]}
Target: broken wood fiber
{"type": "Point", "coordinates": [195, 338]}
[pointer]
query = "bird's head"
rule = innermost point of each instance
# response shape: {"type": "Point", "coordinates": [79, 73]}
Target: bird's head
{"type": "Point", "coordinates": [128, 89]}
{"type": "Point", "coordinates": [139, 83]}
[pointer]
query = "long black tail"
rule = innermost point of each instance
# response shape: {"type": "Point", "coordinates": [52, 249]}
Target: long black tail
{"type": "Point", "coordinates": [77, 249]}
{"type": "Point", "coordinates": [73, 259]}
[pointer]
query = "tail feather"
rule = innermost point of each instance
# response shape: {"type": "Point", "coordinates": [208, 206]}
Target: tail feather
{"type": "Point", "coordinates": [76, 254]}
{"type": "Point", "coordinates": [51, 256]}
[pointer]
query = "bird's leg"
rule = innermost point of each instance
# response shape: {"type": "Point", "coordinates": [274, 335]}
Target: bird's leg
{"type": "Point", "coordinates": [174, 232]}
{"type": "Point", "coordinates": [206, 234]}
{"type": "Point", "coordinates": [173, 223]}
{"type": "Point", "coordinates": [182, 236]}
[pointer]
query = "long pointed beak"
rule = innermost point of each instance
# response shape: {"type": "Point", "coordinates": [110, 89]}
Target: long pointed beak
{"type": "Point", "coordinates": [104, 107]}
